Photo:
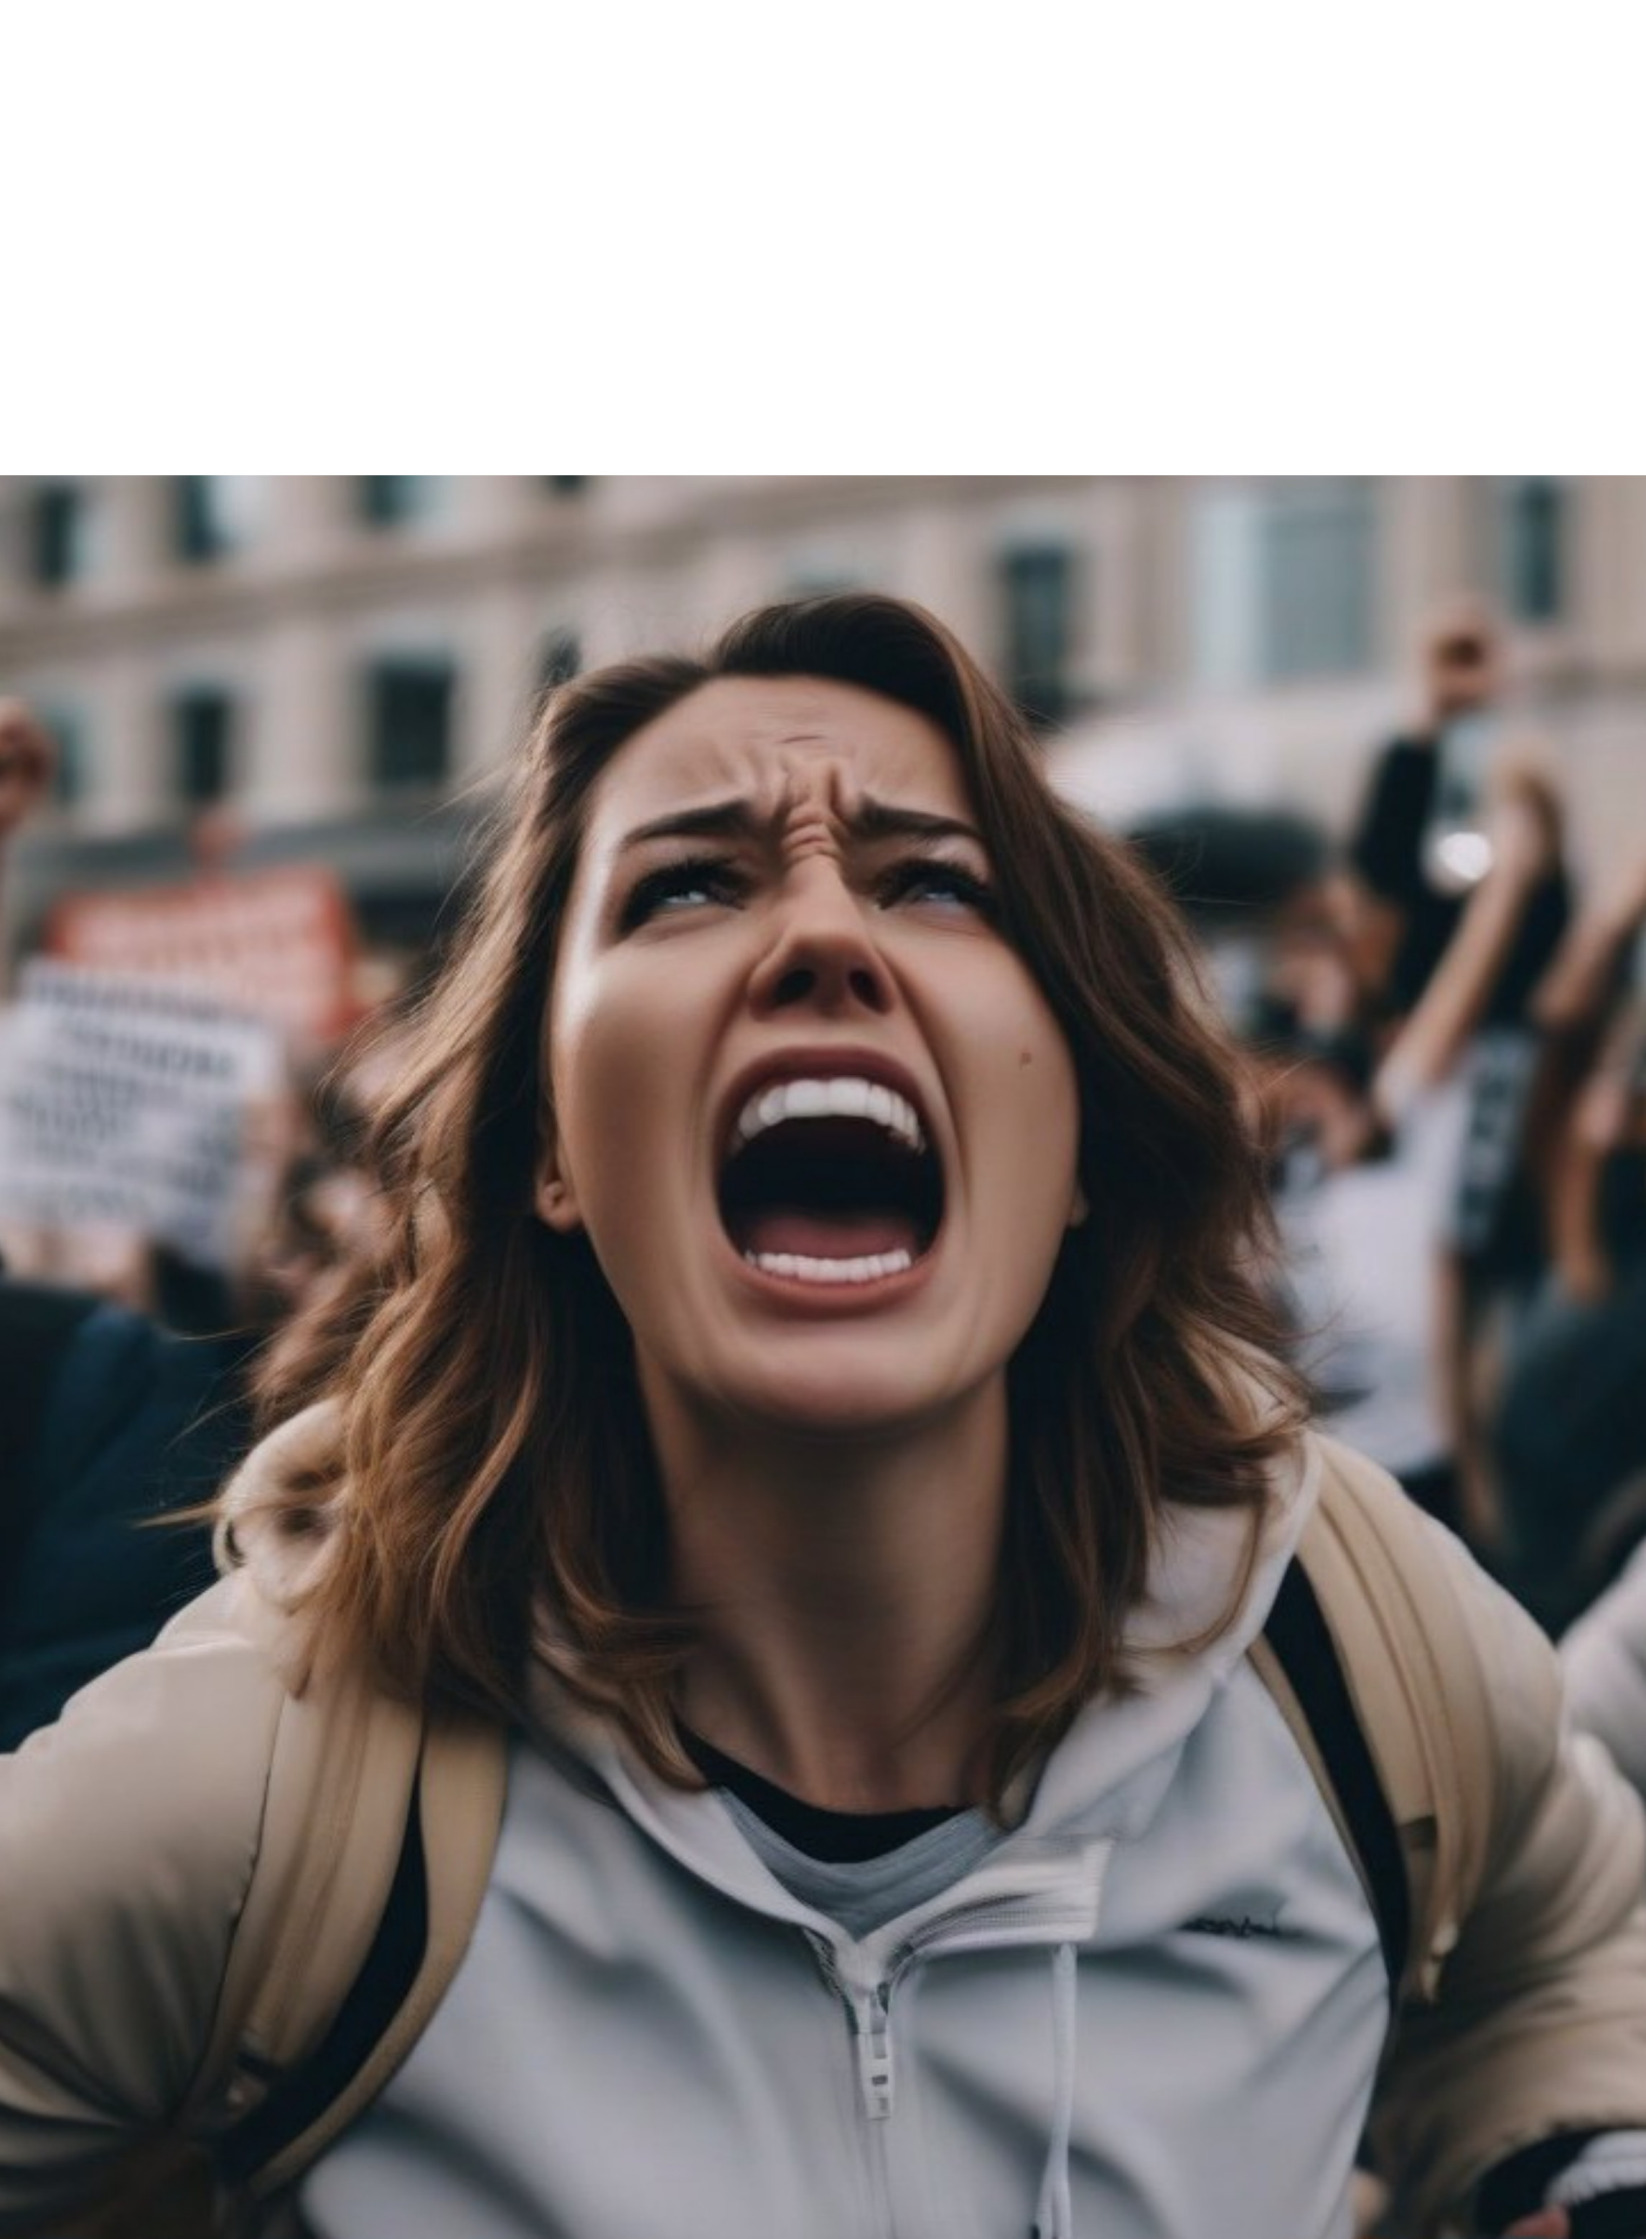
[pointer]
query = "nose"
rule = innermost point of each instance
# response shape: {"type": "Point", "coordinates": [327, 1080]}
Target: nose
{"type": "Point", "coordinates": [821, 954]}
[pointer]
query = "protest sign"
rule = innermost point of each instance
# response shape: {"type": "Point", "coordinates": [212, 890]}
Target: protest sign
{"type": "Point", "coordinates": [279, 943]}
{"type": "Point", "coordinates": [125, 1100]}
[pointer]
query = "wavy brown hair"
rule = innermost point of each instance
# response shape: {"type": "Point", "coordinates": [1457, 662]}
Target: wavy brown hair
{"type": "Point", "coordinates": [501, 1489]}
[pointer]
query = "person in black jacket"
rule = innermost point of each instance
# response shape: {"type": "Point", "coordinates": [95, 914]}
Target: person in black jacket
{"type": "Point", "coordinates": [1406, 911]}
{"type": "Point", "coordinates": [109, 1423]}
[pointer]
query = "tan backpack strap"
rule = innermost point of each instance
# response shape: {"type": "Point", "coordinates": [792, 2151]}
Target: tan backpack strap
{"type": "Point", "coordinates": [357, 1782]}
{"type": "Point", "coordinates": [340, 1782]}
{"type": "Point", "coordinates": [460, 1808]}
{"type": "Point", "coordinates": [1416, 1687]}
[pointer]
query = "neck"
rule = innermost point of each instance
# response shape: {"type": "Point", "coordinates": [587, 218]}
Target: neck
{"type": "Point", "coordinates": [842, 1589]}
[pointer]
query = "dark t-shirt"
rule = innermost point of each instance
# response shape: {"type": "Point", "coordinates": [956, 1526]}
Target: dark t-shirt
{"type": "Point", "coordinates": [1387, 852]}
{"type": "Point", "coordinates": [838, 1837]}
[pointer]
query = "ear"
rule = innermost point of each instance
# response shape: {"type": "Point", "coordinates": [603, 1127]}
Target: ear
{"type": "Point", "coordinates": [553, 1195]}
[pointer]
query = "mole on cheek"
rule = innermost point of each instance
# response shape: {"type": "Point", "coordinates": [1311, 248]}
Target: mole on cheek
{"type": "Point", "coordinates": [1025, 1057]}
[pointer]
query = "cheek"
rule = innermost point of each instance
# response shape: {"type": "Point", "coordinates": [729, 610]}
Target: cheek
{"type": "Point", "coordinates": [618, 1066]}
{"type": "Point", "coordinates": [1030, 1100]}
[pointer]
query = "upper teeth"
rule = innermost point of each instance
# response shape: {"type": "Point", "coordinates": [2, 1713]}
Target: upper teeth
{"type": "Point", "coordinates": [847, 1098]}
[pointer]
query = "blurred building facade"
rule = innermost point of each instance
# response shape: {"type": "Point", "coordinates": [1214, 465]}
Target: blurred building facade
{"type": "Point", "coordinates": [342, 661]}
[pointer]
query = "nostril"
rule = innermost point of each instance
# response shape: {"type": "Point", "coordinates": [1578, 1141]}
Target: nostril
{"type": "Point", "coordinates": [866, 987]}
{"type": "Point", "coordinates": [796, 985]}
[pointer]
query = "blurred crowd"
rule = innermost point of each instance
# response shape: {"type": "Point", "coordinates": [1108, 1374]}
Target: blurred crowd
{"type": "Point", "coordinates": [1447, 1041]}
{"type": "Point", "coordinates": [1448, 1035]}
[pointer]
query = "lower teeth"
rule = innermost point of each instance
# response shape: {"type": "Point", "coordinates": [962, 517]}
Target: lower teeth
{"type": "Point", "coordinates": [803, 1270]}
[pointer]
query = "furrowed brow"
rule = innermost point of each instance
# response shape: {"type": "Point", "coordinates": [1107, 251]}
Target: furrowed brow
{"type": "Point", "coordinates": [715, 820]}
{"type": "Point", "coordinates": [737, 820]}
{"type": "Point", "coordinates": [883, 820]}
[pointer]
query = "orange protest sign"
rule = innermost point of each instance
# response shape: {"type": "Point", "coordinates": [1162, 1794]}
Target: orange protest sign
{"type": "Point", "coordinates": [278, 943]}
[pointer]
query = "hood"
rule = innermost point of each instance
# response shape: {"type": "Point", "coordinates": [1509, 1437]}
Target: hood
{"type": "Point", "coordinates": [281, 1510]}
{"type": "Point", "coordinates": [1191, 1630]}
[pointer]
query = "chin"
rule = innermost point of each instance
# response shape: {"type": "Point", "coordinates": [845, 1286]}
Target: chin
{"type": "Point", "coordinates": [847, 1391]}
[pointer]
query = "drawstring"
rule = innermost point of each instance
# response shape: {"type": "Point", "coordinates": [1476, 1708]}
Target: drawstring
{"type": "Point", "coordinates": [1054, 2218]}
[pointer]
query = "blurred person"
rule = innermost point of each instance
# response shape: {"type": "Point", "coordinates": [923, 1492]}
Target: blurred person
{"type": "Point", "coordinates": [109, 1424]}
{"type": "Point", "coordinates": [27, 761]}
{"type": "Point", "coordinates": [815, 1466]}
{"type": "Point", "coordinates": [125, 1402]}
{"type": "Point", "coordinates": [1570, 1428]}
{"type": "Point", "coordinates": [1403, 894]}
{"type": "Point", "coordinates": [1449, 943]}
{"type": "Point", "coordinates": [1466, 1089]}
{"type": "Point", "coordinates": [1357, 1205]}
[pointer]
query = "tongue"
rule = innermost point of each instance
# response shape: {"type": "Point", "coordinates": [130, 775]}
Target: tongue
{"type": "Point", "coordinates": [843, 1235]}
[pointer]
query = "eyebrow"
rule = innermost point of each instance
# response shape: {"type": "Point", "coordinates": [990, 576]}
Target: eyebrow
{"type": "Point", "coordinates": [735, 819]}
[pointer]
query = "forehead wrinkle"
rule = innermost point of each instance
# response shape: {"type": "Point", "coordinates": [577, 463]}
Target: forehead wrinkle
{"type": "Point", "coordinates": [774, 759]}
{"type": "Point", "coordinates": [815, 812]}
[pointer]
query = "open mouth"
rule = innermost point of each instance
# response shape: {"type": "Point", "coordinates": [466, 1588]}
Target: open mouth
{"type": "Point", "coordinates": [831, 1180]}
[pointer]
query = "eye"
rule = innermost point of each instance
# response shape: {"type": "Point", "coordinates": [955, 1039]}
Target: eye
{"type": "Point", "coordinates": [933, 879]}
{"type": "Point", "coordinates": [705, 882]}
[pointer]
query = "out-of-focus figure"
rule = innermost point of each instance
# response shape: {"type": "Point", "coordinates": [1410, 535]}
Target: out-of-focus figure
{"type": "Point", "coordinates": [1454, 901]}
{"type": "Point", "coordinates": [1570, 1431]}
{"type": "Point", "coordinates": [109, 1424]}
{"type": "Point", "coordinates": [1421, 844]}
{"type": "Point", "coordinates": [27, 760]}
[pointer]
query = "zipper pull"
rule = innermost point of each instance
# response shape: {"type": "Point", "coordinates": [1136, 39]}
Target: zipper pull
{"type": "Point", "coordinates": [874, 2056]}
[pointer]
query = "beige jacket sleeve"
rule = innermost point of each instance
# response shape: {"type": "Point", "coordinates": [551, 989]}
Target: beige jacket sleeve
{"type": "Point", "coordinates": [1540, 2020]}
{"type": "Point", "coordinates": [128, 1834]}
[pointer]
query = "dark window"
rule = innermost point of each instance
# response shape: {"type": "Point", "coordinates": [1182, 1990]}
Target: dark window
{"type": "Point", "coordinates": [203, 724]}
{"type": "Point", "coordinates": [1315, 562]}
{"type": "Point", "coordinates": [410, 715]}
{"type": "Point", "coordinates": [200, 523]}
{"type": "Point", "coordinates": [67, 729]}
{"type": "Point", "coordinates": [566, 485]}
{"type": "Point", "coordinates": [389, 501]}
{"type": "Point", "coordinates": [57, 526]}
{"type": "Point", "coordinates": [1039, 588]}
{"type": "Point", "coordinates": [561, 659]}
{"type": "Point", "coordinates": [1534, 550]}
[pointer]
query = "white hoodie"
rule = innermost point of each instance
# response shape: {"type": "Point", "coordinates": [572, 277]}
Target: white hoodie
{"type": "Point", "coordinates": [1152, 2010]}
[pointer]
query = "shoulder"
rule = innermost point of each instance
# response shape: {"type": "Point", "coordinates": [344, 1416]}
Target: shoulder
{"type": "Point", "coordinates": [129, 1831]}
{"type": "Point", "coordinates": [167, 1744]}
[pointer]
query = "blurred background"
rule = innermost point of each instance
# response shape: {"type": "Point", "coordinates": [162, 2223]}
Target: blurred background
{"type": "Point", "coordinates": [336, 661]}
{"type": "Point", "coordinates": [1383, 736]}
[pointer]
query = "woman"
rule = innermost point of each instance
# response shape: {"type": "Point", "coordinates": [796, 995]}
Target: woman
{"type": "Point", "coordinates": [817, 1403]}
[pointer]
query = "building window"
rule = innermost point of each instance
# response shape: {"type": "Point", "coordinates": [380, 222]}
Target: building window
{"type": "Point", "coordinates": [66, 728]}
{"type": "Point", "coordinates": [1532, 546]}
{"type": "Point", "coordinates": [410, 720]}
{"type": "Point", "coordinates": [57, 534]}
{"type": "Point", "coordinates": [566, 485]}
{"type": "Point", "coordinates": [203, 730]}
{"type": "Point", "coordinates": [1038, 582]}
{"type": "Point", "coordinates": [393, 501]}
{"type": "Point", "coordinates": [1315, 563]}
{"type": "Point", "coordinates": [203, 524]}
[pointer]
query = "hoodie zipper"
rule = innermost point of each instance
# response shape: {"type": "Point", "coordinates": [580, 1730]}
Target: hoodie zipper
{"type": "Point", "coordinates": [869, 2012]}
{"type": "Point", "coordinates": [984, 1925]}
{"type": "Point", "coordinates": [969, 1928]}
